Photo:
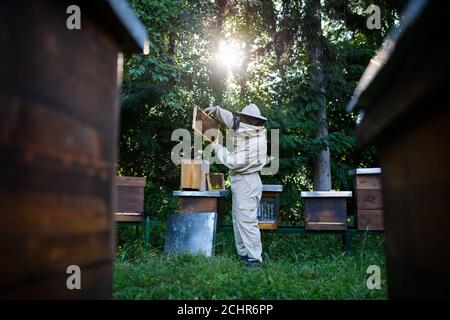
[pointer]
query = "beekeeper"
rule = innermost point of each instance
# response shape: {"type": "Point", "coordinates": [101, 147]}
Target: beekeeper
{"type": "Point", "coordinates": [246, 157]}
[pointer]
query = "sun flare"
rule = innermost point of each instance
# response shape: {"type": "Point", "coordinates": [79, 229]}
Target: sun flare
{"type": "Point", "coordinates": [230, 54]}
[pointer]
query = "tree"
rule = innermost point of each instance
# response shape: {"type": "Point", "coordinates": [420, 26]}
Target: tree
{"type": "Point", "coordinates": [315, 47]}
{"type": "Point", "coordinates": [303, 58]}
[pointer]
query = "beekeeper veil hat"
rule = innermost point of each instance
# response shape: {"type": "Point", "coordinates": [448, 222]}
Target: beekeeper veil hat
{"type": "Point", "coordinates": [252, 110]}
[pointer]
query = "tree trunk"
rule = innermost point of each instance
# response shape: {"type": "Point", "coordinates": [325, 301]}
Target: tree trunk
{"type": "Point", "coordinates": [314, 44]}
{"type": "Point", "coordinates": [171, 46]}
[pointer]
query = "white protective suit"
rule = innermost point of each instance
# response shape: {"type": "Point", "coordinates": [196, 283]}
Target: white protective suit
{"type": "Point", "coordinates": [247, 157]}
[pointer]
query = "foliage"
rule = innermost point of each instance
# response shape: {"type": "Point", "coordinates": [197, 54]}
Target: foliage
{"type": "Point", "coordinates": [159, 90]}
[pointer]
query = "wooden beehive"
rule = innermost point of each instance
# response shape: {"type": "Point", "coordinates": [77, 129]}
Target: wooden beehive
{"type": "Point", "coordinates": [406, 109]}
{"type": "Point", "coordinates": [326, 210]}
{"type": "Point", "coordinates": [269, 206]}
{"type": "Point", "coordinates": [204, 124]}
{"type": "Point", "coordinates": [215, 181]}
{"type": "Point", "coordinates": [130, 199]}
{"type": "Point", "coordinates": [193, 174]}
{"type": "Point", "coordinates": [59, 120]}
{"type": "Point", "coordinates": [368, 197]}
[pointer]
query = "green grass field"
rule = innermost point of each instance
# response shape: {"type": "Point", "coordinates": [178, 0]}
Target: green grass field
{"type": "Point", "coordinates": [296, 267]}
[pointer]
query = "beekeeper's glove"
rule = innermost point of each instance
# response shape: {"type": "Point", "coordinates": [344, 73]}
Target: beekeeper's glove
{"type": "Point", "coordinates": [216, 147]}
{"type": "Point", "coordinates": [211, 110]}
{"type": "Point", "coordinates": [219, 151]}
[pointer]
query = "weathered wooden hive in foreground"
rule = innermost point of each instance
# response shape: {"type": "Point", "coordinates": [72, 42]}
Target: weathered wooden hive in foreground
{"type": "Point", "coordinates": [404, 98]}
{"type": "Point", "coordinates": [58, 136]}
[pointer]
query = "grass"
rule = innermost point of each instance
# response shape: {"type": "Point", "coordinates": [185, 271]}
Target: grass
{"type": "Point", "coordinates": [295, 267]}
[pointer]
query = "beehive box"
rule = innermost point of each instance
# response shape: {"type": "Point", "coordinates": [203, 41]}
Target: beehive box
{"type": "Point", "coordinates": [129, 199]}
{"type": "Point", "coordinates": [269, 207]}
{"type": "Point", "coordinates": [368, 198]}
{"type": "Point", "coordinates": [202, 201]}
{"type": "Point", "coordinates": [59, 128]}
{"type": "Point", "coordinates": [404, 99]}
{"type": "Point", "coordinates": [326, 210]}
{"type": "Point", "coordinates": [193, 174]}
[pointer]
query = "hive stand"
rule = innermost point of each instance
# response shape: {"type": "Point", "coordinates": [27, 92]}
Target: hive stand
{"type": "Point", "coordinates": [328, 211]}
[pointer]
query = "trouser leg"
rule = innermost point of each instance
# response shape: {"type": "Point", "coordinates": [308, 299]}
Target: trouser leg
{"type": "Point", "coordinates": [247, 191]}
{"type": "Point", "coordinates": [241, 250]}
{"type": "Point", "coordinates": [250, 234]}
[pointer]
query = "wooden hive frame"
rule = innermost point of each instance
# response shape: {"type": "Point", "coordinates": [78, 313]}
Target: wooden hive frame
{"type": "Point", "coordinates": [201, 117]}
{"type": "Point", "coordinates": [215, 181]}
